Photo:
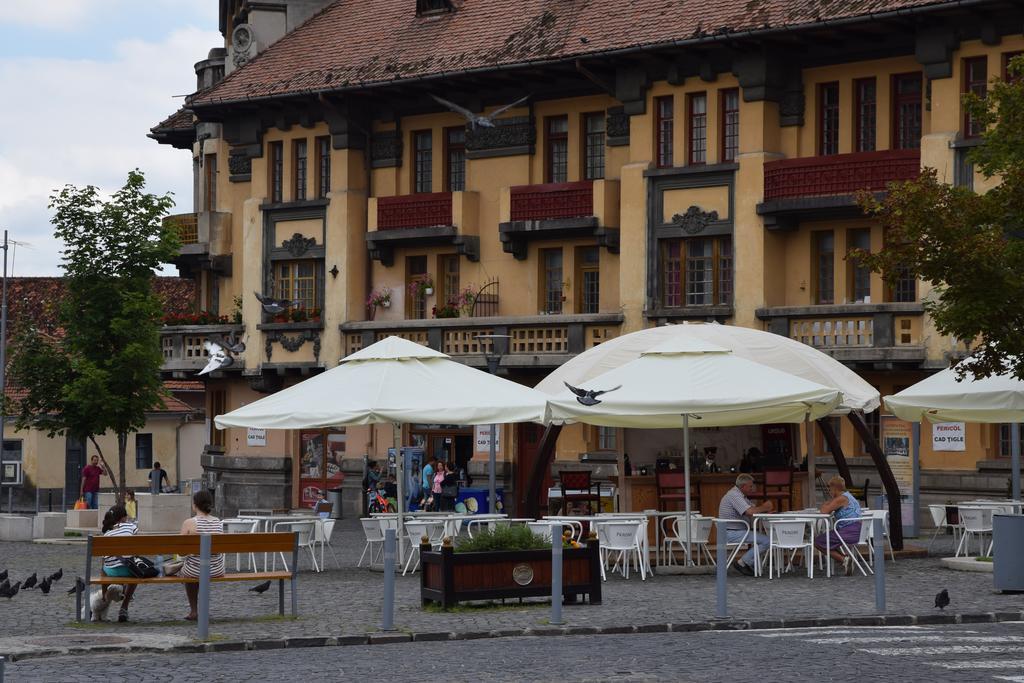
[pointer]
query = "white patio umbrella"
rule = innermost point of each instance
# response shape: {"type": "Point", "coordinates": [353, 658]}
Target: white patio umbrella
{"type": "Point", "coordinates": [943, 398]}
{"type": "Point", "coordinates": [396, 381]}
{"type": "Point", "coordinates": [692, 379]}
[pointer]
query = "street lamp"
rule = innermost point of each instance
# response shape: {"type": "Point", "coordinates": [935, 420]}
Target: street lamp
{"type": "Point", "coordinates": [498, 344]}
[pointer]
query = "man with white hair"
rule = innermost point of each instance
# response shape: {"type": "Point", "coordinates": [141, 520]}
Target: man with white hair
{"type": "Point", "coordinates": [736, 505]}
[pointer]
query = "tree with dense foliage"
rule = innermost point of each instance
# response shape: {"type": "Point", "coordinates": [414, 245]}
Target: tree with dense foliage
{"type": "Point", "coordinates": [102, 372]}
{"type": "Point", "coordinates": [970, 245]}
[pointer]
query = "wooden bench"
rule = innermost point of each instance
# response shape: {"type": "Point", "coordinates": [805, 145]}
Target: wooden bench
{"type": "Point", "coordinates": [203, 545]}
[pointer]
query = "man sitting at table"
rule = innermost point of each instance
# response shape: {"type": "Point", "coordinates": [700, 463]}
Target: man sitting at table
{"type": "Point", "coordinates": [736, 505]}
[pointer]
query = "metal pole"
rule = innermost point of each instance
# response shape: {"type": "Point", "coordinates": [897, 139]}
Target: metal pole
{"type": "Point", "coordinates": [3, 358]}
{"type": "Point", "coordinates": [556, 575]}
{"type": "Point", "coordinates": [205, 544]}
{"type": "Point", "coordinates": [878, 540]}
{"type": "Point", "coordinates": [1, 670]}
{"type": "Point", "coordinates": [400, 476]}
{"type": "Point", "coordinates": [388, 619]}
{"type": "Point", "coordinates": [492, 496]}
{"type": "Point", "coordinates": [915, 481]}
{"type": "Point", "coordinates": [721, 596]}
{"type": "Point", "coordinates": [1015, 460]}
{"type": "Point", "coordinates": [812, 482]}
{"type": "Point", "coordinates": [686, 475]}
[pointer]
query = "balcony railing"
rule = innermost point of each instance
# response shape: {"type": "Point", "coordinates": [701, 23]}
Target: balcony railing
{"type": "Point", "coordinates": [838, 174]}
{"type": "Point", "coordinates": [186, 225]}
{"type": "Point", "coordinates": [552, 201]}
{"type": "Point", "coordinates": [414, 211]}
{"type": "Point", "coordinates": [182, 346]}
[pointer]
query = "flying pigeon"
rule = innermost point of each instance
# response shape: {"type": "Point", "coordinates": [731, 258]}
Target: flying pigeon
{"type": "Point", "coordinates": [261, 588]}
{"type": "Point", "coordinates": [475, 120]}
{"type": "Point", "coordinates": [29, 582]}
{"type": "Point", "coordinates": [942, 599]}
{"type": "Point", "coordinates": [588, 397]}
{"type": "Point", "coordinates": [44, 586]}
{"type": "Point", "coordinates": [79, 585]}
{"type": "Point", "coordinates": [274, 306]}
{"type": "Point", "coordinates": [233, 344]}
{"type": "Point", "coordinates": [56, 576]}
{"type": "Point", "coordinates": [219, 357]}
{"type": "Point", "coordinates": [11, 592]}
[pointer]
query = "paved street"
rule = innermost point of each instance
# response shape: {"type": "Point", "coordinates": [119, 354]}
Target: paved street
{"type": "Point", "coordinates": [346, 601]}
{"type": "Point", "coordinates": [962, 653]}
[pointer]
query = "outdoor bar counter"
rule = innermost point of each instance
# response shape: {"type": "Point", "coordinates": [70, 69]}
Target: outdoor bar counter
{"type": "Point", "coordinates": [640, 492]}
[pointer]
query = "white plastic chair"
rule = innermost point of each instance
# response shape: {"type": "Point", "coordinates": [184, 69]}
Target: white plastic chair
{"type": "Point", "coordinates": [374, 534]}
{"type": "Point", "coordinates": [621, 537]}
{"type": "Point", "coordinates": [324, 529]}
{"type": "Point", "coordinates": [739, 545]}
{"type": "Point", "coordinates": [700, 533]}
{"type": "Point", "coordinates": [884, 516]}
{"type": "Point", "coordinates": [792, 535]}
{"type": "Point", "coordinates": [415, 531]}
{"type": "Point", "coordinates": [306, 529]}
{"type": "Point", "coordinates": [941, 522]}
{"type": "Point", "coordinates": [243, 526]}
{"type": "Point", "coordinates": [974, 521]}
{"type": "Point", "coordinates": [864, 539]}
{"type": "Point", "coordinates": [542, 529]}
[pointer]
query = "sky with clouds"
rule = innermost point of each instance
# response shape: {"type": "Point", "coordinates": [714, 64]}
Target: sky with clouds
{"type": "Point", "coordinates": [83, 81]}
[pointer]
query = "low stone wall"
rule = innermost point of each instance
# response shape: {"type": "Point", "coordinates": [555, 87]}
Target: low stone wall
{"type": "Point", "coordinates": [248, 482]}
{"type": "Point", "coordinates": [15, 528]}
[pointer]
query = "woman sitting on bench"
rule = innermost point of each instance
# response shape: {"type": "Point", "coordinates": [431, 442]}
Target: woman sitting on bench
{"type": "Point", "coordinates": [117, 523]}
{"type": "Point", "coordinates": [202, 523]}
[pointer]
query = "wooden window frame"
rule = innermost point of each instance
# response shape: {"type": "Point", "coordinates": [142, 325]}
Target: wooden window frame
{"type": "Point", "coordinates": [427, 184]}
{"type": "Point", "coordinates": [1005, 58]}
{"type": "Point", "coordinates": [300, 169]}
{"type": "Point", "coordinates": [894, 108]}
{"type": "Point", "coordinates": [967, 85]}
{"type": "Point", "coordinates": [412, 301]}
{"type": "Point", "coordinates": [323, 166]}
{"type": "Point", "coordinates": [282, 291]}
{"type": "Point", "coordinates": [146, 437]}
{"type": "Point", "coordinates": [210, 182]}
{"type": "Point", "coordinates": [664, 137]}
{"type": "Point", "coordinates": [550, 138]}
{"type": "Point", "coordinates": [830, 145]}
{"type": "Point", "coordinates": [586, 147]}
{"type": "Point", "coordinates": [544, 281]}
{"type": "Point", "coordinates": [692, 129]}
{"type": "Point", "coordinates": [852, 267]}
{"type": "Point", "coordinates": [275, 174]}
{"type": "Point", "coordinates": [582, 269]}
{"type": "Point", "coordinates": [450, 147]}
{"type": "Point", "coordinates": [720, 275]}
{"type": "Point", "coordinates": [858, 115]}
{"type": "Point", "coordinates": [816, 239]}
{"type": "Point", "coordinates": [218, 406]}
{"type": "Point", "coordinates": [445, 293]}
{"type": "Point", "coordinates": [723, 125]}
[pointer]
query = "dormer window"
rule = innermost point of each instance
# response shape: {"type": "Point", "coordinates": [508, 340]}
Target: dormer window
{"type": "Point", "coordinates": [426, 7]}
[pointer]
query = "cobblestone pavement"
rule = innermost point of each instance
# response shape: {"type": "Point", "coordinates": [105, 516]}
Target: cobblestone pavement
{"type": "Point", "coordinates": [347, 600]}
{"type": "Point", "coordinates": [962, 653]}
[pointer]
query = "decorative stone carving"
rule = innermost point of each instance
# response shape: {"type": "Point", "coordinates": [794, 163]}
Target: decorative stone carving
{"type": "Point", "coordinates": [299, 245]}
{"type": "Point", "coordinates": [386, 149]}
{"type": "Point", "coordinates": [695, 220]}
{"type": "Point", "coordinates": [791, 108]}
{"type": "Point", "coordinates": [239, 165]}
{"type": "Point", "coordinates": [517, 131]}
{"type": "Point", "coordinates": [292, 344]}
{"type": "Point", "coordinates": [617, 127]}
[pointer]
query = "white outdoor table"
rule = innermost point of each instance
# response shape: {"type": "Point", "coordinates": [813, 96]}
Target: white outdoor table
{"type": "Point", "coordinates": [814, 515]}
{"type": "Point", "coordinates": [609, 517]}
{"type": "Point", "coordinates": [1016, 505]}
{"type": "Point", "coordinates": [270, 520]}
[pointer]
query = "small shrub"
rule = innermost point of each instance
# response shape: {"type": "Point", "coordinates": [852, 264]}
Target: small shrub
{"type": "Point", "coordinates": [503, 538]}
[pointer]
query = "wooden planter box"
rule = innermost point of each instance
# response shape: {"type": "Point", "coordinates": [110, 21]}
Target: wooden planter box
{"type": "Point", "coordinates": [448, 577]}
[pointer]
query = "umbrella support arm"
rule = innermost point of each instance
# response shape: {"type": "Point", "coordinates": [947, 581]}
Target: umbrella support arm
{"type": "Point", "coordinates": [837, 450]}
{"type": "Point", "coordinates": [892, 490]}
{"type": "Point", "coordinates": [529, 502]}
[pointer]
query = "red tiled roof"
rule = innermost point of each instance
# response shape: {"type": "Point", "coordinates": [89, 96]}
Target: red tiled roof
{"type": "Point", "coordinates": [181, 120]}
{"type": "Point", "coordinates": [171, 404]}
{"type": "Point", "coordinates": [354, 43]}
{"type": "Point", "coordinates": [184, 385]}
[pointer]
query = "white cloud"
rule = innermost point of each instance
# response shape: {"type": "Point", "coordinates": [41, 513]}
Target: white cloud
{"type": "Point", "coordinates": [71, 15]}
{"type": "Point", "coordinates": [85, 122]}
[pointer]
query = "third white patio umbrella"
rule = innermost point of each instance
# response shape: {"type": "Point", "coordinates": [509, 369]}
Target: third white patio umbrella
{"type": "Point", "coordinates": [691, 379]}
{"type": "Point", "coordinates": [396, 381]}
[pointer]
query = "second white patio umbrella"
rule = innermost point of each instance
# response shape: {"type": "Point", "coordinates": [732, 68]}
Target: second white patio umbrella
{"type": "Point", "coordinates": [393, 381]}
{"type": "Point", "coordinates": [942, 397]}
{"type": "Point", "coordinates": [691, 379]}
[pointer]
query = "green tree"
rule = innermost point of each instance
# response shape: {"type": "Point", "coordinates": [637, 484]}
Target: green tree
{"type": "Point", "coordinates": [102, 374]}
{"type": "Point", "coordinates": [968, 244]}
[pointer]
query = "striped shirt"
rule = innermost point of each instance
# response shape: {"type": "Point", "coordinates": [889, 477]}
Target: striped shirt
{"type": "Point", "coordinates": [205, 524]}
{"type": "Point", "coordinates": [733, 506]}
{"type": "Point", "coordinates": [122, 529]}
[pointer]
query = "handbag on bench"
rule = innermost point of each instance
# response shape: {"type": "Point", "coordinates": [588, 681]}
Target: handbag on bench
{"type": "Point", "coordinates": [141, 567]}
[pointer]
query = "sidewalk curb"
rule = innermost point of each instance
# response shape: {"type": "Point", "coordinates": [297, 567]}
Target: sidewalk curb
{"type": "Point", "coordinates": [378, 638]}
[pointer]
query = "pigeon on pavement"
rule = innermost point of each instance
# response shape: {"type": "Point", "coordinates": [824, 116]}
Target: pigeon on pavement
{"type": "Point", "coordinates": [261, 588]}
{"type": "Point", "coordinates": [3, 575]}
{"type": "Point", "coordinates": [44, 586]}
{"type": "Point", "coordinates": [79, 585]}
{"type": "Point", "coordinates": [56, 576]}
{"type": "Point", "coordinates": [5, 586]}
{"type": "Point", "coordinates": [11, 592]}
{"type": "Point", "coordinates": [942, 599]}
{"type": "Point", "coordinates": [29, 582]}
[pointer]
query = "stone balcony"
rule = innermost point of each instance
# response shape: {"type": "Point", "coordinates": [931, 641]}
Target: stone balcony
{"type": "Point", "coordinates": [867, 336]}
{"type": "Point", "coordinates": [183, 352]}
{"type": "Point", "coordinates": [552, 211]}
{"type": "Point", "coordinates": [205, 241]}
{"type": "Point", "coordinates": [417, 220]}
{"type": "Point", "coordinates": [536, 341]}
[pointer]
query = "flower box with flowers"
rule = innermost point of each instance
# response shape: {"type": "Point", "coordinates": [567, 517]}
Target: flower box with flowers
{"type": "Point", "coordinates": [200, 318]}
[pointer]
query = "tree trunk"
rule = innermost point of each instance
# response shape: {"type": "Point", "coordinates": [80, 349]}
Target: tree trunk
{"type": "Point", "coordinates": [892, 489]}
{"type": "Point", "coordinates": [545, 454]}
{"type": "Point", "coordinates": [122, 446]}
{"type": "Point", "coordinates": [106, 465]}
{"type": "Point", "coordinates": [837, 450]}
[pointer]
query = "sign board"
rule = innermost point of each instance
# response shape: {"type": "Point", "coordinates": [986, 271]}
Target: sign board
{"type": "Point", "coordinates": [896, 438]}
{"type": "Point", "coordinates": [949, 436]}
{"type": "Point", "coordinates": [482, 438]}
{"type": "Point", "coordinates": [10, 473]}
{"type": "Point", "coordinates": [256, 437]}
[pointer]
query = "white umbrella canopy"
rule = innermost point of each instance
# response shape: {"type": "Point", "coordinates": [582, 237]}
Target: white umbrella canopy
{"type": "Point", "coordinates": [765, 348]}
{"type": "Point", "coordinates": [941, 398]}
{"type": "Point", "coordinates": [397, 381]}
{"type": "Point", "coordinates": [689, 376]}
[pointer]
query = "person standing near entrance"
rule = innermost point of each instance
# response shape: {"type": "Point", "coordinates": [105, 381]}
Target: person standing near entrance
{"type": "Point", "coordinates": [427, 481]}
{"type": "Point", "coordinates": [90, 489]}
{"type": "Point", "coordinates": [157, 479]}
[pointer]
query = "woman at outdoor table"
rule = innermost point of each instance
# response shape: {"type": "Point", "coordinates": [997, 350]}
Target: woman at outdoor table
{"type": "Point", "coordinates": [842, 506]}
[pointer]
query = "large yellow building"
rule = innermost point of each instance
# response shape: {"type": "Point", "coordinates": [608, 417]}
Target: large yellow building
{"type": "Point", "coordinates": [660, 162]}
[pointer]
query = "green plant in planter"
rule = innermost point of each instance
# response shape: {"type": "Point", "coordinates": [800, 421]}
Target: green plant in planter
{"type": "Point", "coordinates": [503, 538]}
{"type": "Point", "coordinates": [236, 315]}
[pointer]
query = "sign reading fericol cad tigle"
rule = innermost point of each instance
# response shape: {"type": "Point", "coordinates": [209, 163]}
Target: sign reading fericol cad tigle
{"type": "Point", "coordinates": [949, 436]}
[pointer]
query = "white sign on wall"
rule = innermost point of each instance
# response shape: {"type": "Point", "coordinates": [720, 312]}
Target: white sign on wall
{"type": "Point", "coordinates": [949, 436]}
{"type": "Point", "coordinates": [482, 438]}
{"type": "Point", "coordinates": [256, 437]}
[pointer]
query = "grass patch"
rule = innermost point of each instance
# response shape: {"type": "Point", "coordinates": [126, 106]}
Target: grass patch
{"type": "Point", "coordinates": [983, 558]}
{"type": "Point", "coordinates": [72, 534]}
{"type": "Point", "coordinates": [503, 538]}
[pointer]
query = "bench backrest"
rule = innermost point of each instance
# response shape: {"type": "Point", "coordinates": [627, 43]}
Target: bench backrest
{"type": "Point", "coordinates": [175, 544]}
